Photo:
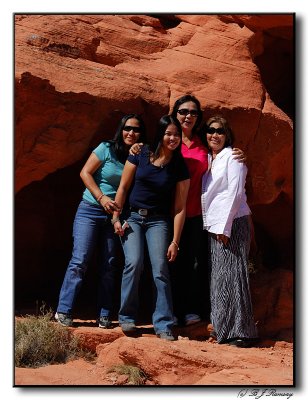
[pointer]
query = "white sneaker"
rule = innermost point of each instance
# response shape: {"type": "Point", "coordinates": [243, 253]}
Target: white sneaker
{"type": "Point", "coordinates": [191, 319]}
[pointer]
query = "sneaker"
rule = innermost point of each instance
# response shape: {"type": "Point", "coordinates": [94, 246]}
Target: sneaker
{"type": "Point", "coordinates": [104, 322]}
{"type": "Point", "coordinates": [64, 319]}
{"type": "Point", "coordinates": [191, 319]}
{"type": "Point", "coordinates": [166, 336]}
{"type": "Point", "coordinates": [128, 327]}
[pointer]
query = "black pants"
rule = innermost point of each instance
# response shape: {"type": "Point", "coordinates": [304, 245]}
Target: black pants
{"type": "Point", "coordinates": [189, 272]}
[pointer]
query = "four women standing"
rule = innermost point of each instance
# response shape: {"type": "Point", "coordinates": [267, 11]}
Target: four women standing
{"type": "Point", "coordinates": [156, 183]}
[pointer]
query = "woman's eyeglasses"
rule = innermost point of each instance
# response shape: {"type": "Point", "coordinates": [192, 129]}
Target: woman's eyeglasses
{"type": "Point", "coordinates": [220, 131]}
{"type": "Point", "coordinates": [135, 129]}
{"type": "Point", "coordinates": [185, 111]}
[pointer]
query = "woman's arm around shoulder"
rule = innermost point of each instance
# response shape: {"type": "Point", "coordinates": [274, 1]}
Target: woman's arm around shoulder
{"type": "Point", "coordinates": [239, 155]}
{"type": "Point", "coordinates": [135, 149]}
{"type": "Point", "coordinates": [236, 167]}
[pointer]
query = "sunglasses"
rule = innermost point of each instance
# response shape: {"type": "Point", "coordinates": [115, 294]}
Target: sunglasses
{"type": "Point", "coordinates": [220, 131]}
{"type": "Point", "coordinates": [185, 111]}
{"type": "Point", "coordinates": [135, 129]}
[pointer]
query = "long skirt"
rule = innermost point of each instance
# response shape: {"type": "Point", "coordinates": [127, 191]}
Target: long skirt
{"type": "Point", "coordinates": [231, 308]}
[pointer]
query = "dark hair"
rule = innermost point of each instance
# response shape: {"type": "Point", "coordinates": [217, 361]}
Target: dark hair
{"type": "Point", "coordinates": [225, 125]}
{"type": "Point", "coordinates": [118, 144]}
{"type": "Point", "coordinates": [185, 99]}
{"type": "Point", "coordinates": [163, 124]}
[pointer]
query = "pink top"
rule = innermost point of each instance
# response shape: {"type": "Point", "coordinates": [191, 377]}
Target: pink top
{"type": "Point", "coordinates": [196, 158]}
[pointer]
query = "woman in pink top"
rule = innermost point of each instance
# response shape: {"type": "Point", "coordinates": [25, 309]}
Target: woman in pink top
{"type": "Point", "coordinates": [189, 272]}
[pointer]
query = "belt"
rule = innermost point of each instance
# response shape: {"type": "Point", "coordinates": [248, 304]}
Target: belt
{"type": "Point", "coordinates": [144, 211]}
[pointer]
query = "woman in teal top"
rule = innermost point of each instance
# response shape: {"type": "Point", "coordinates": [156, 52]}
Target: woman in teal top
{"type": "Point", "coordinates": [92, 229]}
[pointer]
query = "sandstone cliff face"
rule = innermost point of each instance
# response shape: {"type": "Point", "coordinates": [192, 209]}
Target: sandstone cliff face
{"type": "Point", "coordinates": [76, 75]}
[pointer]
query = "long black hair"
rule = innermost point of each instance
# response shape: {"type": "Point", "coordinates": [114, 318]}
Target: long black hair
{"type": "Point", "coordinates": [185, 99]}
{"type": "Point", "coordinates": [163, 124]}
{"type": "Point", "coordinates": [117, 142]}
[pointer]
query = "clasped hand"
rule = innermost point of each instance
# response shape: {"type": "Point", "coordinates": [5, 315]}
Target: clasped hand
{"type": "Point", "coordinates": [109, 205]}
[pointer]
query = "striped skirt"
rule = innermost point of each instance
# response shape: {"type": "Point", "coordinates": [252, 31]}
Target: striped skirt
{"type": "Point", "coordinates": [231, 308]}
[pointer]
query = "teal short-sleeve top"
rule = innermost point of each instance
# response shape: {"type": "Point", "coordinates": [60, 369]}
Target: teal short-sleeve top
{"type": "Point", "coordinates": [108, 175]}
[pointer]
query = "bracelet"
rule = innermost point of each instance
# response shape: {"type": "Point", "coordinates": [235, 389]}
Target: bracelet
{"type": "Point", "coordinates": [175, 243]}
{"type": "Point", "coordinates": [100, 197]}
{"type": "Point", "coordinates": [114, 220]}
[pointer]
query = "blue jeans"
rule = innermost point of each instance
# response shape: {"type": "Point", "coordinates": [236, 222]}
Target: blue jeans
{"type": "Point", "coordinates": [92, 230]}
{"type": "Point", "coordinates": [154, 230]}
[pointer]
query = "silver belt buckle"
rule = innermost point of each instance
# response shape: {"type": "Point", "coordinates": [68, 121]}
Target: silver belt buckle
{"type": "Point", "coordinates": [143, 212]}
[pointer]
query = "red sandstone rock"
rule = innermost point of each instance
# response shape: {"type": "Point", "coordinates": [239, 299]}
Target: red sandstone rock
{"type": "Point", "coordinates": [72, 72]}
{"type": "Point", "coordinates": [183, 362]}
{"type": "Point", "coordinates": [272, 295]}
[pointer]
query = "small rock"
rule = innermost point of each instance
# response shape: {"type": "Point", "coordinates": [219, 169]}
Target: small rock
{"type": "Point", "coordinates": [183, 338]}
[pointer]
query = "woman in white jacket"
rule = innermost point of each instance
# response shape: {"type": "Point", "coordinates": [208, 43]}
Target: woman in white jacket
{"type": "Point", "coordinates": [226, 218]}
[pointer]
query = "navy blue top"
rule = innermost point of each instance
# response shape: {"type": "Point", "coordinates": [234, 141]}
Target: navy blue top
{"type": "Point", "coordinates": [154, 186]}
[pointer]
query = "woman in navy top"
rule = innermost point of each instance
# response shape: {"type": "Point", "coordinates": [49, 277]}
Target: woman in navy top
{"type": "Point", "coordinates": [160, 183]}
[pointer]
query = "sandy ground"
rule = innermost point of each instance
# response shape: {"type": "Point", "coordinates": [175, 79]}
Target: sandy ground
{"type": "Point", "coordinates": [191, 360]}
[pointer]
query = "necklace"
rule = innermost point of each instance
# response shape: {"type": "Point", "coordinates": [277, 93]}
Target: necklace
{"type": "Point", "coordinates": [160, 164]}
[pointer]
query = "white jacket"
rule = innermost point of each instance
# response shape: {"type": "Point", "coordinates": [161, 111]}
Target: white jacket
{"type": "Point", "coordinates": [223, 195]}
